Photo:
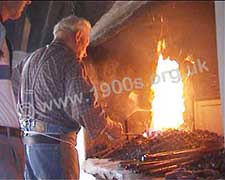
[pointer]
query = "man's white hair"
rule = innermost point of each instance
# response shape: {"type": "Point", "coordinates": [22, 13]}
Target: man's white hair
{"type": "Point", "coordinates": [71, 24]}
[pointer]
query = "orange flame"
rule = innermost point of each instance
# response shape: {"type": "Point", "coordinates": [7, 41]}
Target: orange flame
{"type": "Point", "coordinates": [168, 103]}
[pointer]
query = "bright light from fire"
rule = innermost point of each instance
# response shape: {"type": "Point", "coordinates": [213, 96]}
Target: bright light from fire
{"type": "Point", "coordinates": [168, 103]}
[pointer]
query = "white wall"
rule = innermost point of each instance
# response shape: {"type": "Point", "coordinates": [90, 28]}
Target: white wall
{"type": "Point", "coordinates": [220, 28]}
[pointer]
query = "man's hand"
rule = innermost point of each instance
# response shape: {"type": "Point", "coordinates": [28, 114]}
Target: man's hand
{"type": "Point", "coordinates": [114, 130]}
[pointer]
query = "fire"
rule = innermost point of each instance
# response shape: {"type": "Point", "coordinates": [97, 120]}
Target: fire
{"type": "Point", "coordinates": [168, 103]}
{"type": "Point", "coordinates": [133, 96]}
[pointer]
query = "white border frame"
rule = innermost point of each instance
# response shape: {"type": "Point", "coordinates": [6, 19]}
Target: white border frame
{"type": "Point", "coordinates": [220, 27]}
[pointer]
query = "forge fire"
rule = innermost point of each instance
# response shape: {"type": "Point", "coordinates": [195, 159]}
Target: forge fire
{"type": "Point", "coordinates": [168, 149]}
{"type": "Point", "coordinates": [168, 103]}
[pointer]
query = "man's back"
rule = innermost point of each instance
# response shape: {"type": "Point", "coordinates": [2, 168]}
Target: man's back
{"type": "Point", "coordinates": [42, 85]}
{"type": "Point", "coordinates": [63, 100]}
{"type": "Point", "coordinates": [60, 100]}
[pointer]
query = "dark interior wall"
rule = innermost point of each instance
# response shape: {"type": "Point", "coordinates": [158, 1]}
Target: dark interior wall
{"type": "Point", "coordinates": [43, 15]}
{"type": "Point", "coordinates": [189, 30]}
{"type": "Point", "coordinates": [92, 10]}
{"type": "Point", "coordinates": [14, 31]}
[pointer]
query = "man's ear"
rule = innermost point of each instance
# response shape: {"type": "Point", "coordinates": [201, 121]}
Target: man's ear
{"type": "Point", "coordinates": [78, 36]}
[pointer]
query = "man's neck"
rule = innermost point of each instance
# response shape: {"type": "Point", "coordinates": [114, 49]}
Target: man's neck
{"type": "Point", "coordinates": [68, 43]}
{"type": "Point", "coordinates": [65, 43]}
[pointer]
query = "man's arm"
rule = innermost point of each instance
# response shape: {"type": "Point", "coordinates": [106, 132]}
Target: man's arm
{"type": "Point", "coordinates": [83, 106]}
{"type": "Point", "coordinates": [81, 101]}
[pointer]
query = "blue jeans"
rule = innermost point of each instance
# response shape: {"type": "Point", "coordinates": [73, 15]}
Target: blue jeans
{"type": "Point", "coordinates": [52, 161]}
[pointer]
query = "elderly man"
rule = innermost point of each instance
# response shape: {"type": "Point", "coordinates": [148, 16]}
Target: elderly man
{"type": "Point", "coordinates": [56, 100]}
{"type": "Point", "coordinates": [11, 147]}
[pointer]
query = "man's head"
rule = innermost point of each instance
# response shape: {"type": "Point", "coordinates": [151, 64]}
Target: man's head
{"type": "Point", "coordinates": [12, 9]}
{"type": "Point", "coordinates": [75, 31]}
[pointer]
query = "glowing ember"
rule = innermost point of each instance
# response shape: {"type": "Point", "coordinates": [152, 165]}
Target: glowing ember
{"type": "Point", "coordinates": [133, 96]}
{"type": "Point", "coordinates": [168, 103]}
